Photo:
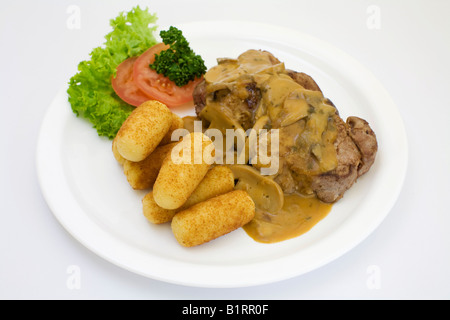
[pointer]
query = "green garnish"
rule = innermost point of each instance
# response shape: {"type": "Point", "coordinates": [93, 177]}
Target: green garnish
{"type": "Point", "coordinates": [90, 92]}
{"type": "Point", "coordinates": [179, 63]}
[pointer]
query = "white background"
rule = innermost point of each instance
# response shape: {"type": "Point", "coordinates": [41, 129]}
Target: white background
{"type": "Point", "coordinates": [409, 54]}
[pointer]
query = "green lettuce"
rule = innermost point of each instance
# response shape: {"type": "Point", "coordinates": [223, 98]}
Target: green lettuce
{"type": "Point", "coordinates": [91, 95]}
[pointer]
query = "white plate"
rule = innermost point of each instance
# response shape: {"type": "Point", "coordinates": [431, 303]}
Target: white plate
{"type": "Point", "coordinates": [88, 192]}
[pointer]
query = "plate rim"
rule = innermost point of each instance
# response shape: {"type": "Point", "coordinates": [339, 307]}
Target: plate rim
{"type": "Point", "coordinates": [55, 205]}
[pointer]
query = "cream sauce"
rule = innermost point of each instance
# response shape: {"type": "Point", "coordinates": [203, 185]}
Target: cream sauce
{"type": "Point", "coordinates": [306, 140]}
{"type": "Point", "coordinates": [298, 215]}
{"type": "Point", "coordinates": [283, 103]}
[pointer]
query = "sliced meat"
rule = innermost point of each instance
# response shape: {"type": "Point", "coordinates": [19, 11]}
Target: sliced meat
{"type": "Point", "coordinates": [356, 143]}
{"type": "Point", "coordinates": [199, 95]}
{"type": "Point", "coordinates": [366, 141]}
{"type": "Point", "coordinates": [253, 95]}
{"type": "Point", "coordinates": [356, 148]}
{"type": "Point", "coordinates": [304, 80]}
{"type": "Point", "coordinates": [285, 179]}
{"type": "Point", "coordinates": [331, 186]}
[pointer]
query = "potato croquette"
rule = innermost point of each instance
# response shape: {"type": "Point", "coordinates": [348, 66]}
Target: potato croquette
{"type": "Point", "coordinates": [213, 218]}
{"type": "Point", "coordinates": [116, 153]}
{"type": "Point", "coordinates": [177, 179]}
{"type": "Point", "coordinates": [218, 180]}
{"type": "Point", "coordinates": [142, 175]}
{"type": "Point", "coordinates": [177, 123]}
{"type": "Point", "coordinates": [143, 130]}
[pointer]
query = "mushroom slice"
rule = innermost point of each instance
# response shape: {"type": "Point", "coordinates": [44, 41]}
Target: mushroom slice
{"type": "Point", "coordinates": [266, 193]}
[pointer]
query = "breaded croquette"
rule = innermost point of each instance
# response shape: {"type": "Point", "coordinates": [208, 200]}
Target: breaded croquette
{"type": "Point", "coordinates": [116, 153]}
{"type": "Point", "coordinates": [143, 130]}
{"type": "Point", "coordinates": [218, 180]}
{"type": "Point", "coordinates": [177, 180]}
{"type": "Point", "coordinates": [177, 123]}
{"type": "Point", "coordinates": [142, 175]}
{"type": "Point", "coordinates": [213, 218]}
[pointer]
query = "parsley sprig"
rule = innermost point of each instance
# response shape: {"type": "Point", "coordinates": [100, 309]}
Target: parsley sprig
{"type": "Point", "coordinates": [179, 63]}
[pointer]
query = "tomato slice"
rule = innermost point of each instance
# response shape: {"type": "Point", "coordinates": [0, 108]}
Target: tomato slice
{"type": "Point", "coordinates": [124, 85]}
{"type": "Point", "coordinates": [158, 86]}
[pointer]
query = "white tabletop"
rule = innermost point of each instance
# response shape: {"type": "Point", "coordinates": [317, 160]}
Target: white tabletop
{"type": "Point", "coordinates": [404, 43]}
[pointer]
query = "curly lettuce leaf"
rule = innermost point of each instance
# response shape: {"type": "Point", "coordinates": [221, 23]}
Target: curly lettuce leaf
{"type": "Point", "coordinates": [91, 95]}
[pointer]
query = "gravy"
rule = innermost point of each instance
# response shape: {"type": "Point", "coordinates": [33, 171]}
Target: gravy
{"type": "Point", "coordinates": [255, 91]}
{"type": "Point", "coordinates": [298, 215]}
